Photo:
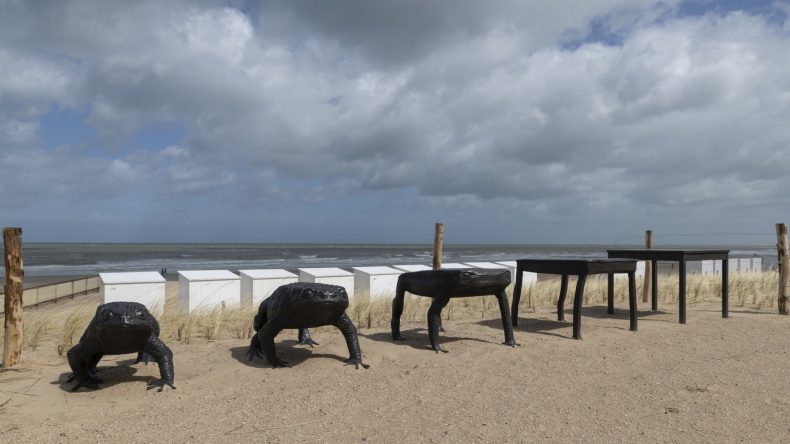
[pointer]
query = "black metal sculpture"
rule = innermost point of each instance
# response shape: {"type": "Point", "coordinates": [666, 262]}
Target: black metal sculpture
{"type": "Point", "coordinates": [119, 328]}
{"type": "Point", "coordinates": [442, 285]}
{"type": "Point", "coordinates": [302, 305]}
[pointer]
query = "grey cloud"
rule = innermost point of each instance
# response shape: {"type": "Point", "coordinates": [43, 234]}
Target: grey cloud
{"type": "Point", "coordinates": [465, 103]}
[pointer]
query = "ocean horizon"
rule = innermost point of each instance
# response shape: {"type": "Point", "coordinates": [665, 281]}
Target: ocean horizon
{"type": "Point", "coordinates": [57, 259]}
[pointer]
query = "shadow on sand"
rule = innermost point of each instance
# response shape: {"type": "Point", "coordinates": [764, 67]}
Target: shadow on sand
{"type": "Point", "coordinates": [417, 338]}
{"type": "Point", "coordinates": [289, 351]}
{"type": "Point", "coordinates": [545, 326]}
{"type": "Point", "coordinates": [120, 373]}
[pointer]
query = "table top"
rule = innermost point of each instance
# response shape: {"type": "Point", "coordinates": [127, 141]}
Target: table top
{"type": "Point", "coordinates": [669, 254]}
{"type": "Point", "coordinates": [576, 265]}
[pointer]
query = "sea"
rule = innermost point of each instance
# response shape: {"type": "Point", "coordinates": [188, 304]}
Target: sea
{"type": "Point", "coordinates": [60, 259]}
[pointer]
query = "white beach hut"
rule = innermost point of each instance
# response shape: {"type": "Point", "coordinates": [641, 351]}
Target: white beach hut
{"type": "Point", "coordinates": [145, 287]}
{"type": "Point", "coordinates": [495, 266]}
{"type": "Point", "coordinates": [378, 282]}
{"type": "Point", "coordinates": [733, 265]}
{"type": "Point", "coordinates": [757, 264]}
{"type": "Point", "coordinates": [208, 289]}
{"type": "Point", "coordinates": [452, 266]}
{"type": "Point", "coordinates": [257, 285]}
{"type": "Point", "coordinates": [640, 271]}
{"type": "Point", "coordinates": [410, 268]}
{"type": "Point", "coordinates": [332, 276]}
{"type": "Point", "coordinates": [745, 264]}
{"type": "Point", "coordinates": [528, 277]}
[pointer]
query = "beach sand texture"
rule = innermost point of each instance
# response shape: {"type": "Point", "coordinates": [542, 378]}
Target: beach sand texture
{"type": "Point", "coordinates": [711, 380]}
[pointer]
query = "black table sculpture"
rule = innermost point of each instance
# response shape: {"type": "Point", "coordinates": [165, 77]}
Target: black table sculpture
{"type": "Point", "coordinates": [303, 305]}
{"type": "Point", "coordinates": [580, 267]}
{"type": "Point", "coordinates": [681, 257]}
{"type": "Point", "coordinates": [119, 328]}
{"type": "Point", "coordinates": [442, 285]}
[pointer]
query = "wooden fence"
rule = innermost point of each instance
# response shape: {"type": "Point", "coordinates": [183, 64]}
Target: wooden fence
{"type": "Point", "coordinates": [51, 292]}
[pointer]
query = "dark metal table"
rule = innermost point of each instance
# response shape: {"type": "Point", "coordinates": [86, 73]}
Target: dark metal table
{"type": "Point", "coordinates": [441, 286]}
{"type": "Point", "coordinates": [681, 257]}
{"type": "Point", "coordinates": [580, 267]}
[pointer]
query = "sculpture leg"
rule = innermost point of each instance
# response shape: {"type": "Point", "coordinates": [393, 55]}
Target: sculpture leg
{"type": "Point", "coordinates": [632, 298]}
{"type": "Point", "coordinates": [561, 300]}
{"type": "Point", "coordinates": [506, 321]}
{"type": "Point", "coordinates": [266, 340]}
{"type": "Point", "coordinates": [305, 338]}
{"type": "Point", "coordinates": [345, 325]}
{"type": "Point", "coordinates": [682, 289]}
{"type": "Point", "coordinates": [654, 288]}
{"type": "Point", "coordinates": [255, 350]}
{"type": "Point", "coordinates": [397, 311]}
{"type": "Point", "coordinates": [164, 357]}
{"type": "Point", "coordinates": [434, 313]}
{"type": "Point", "coordinates": [517, 294]}
{"type": "Point", "coordinates": [577, 306]}
{"type": "Point", "coordinates": [725, 310]}
{"type": "Point", "coordinates": [610, 293]}
{"type": "Point", "coordinates": [79, 361]}
{"type": "Point", "coordinates": [142, 357]}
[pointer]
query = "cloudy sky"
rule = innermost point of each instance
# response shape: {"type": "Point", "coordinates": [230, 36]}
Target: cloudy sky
{"type": "Point", "coordinates": [512, 121]}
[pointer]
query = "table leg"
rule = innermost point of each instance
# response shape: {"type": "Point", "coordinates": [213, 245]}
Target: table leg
{"type": "Point", "coordinates": [610, 293]}
{"type": "Point", "coordinates": [397, 311]}
{"type": "Point", "coordinates": [561, 300]}
{"type": "Point", "coordinates": [577, 306]}
{"type": "Point", "coordinates": [632, 298]}
{"type": "Point", "coordinates": [434, 315]}
{"type": "Point", "coordinates": [654, 288]}
{"type": "Point", "coordinates": [517, 294]}
{"type": "Point", "coordinates": [725, 296]}
{"type": "Point", "coordinates": [506, 325]}
{"type": "Point", "coordinates": [682, 289]}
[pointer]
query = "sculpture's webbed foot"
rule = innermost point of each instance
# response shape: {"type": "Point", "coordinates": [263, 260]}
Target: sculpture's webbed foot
{"type": "Point", "coordinates": [88, 383]}
{"type": "Point", "coordinates": [254, 352]}
{"type": "Point", "coordinates": [279, 363]}
{"type": "Point", "coordinates": [161, 383]}
{"type": "Point", "coordinates": [512, 343]}
{"type": "Point", "coordinates": [438, 348]}
{"type": "Point", "coordinates": [91, 377]}
{"type": "Point", "coordinates": [356, 363]}
{"type": "Point", "coordinates": [307, 340]}
{"type": "Point", "coordinates": [398, 337]}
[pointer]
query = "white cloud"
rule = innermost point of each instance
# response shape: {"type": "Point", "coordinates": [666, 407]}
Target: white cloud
{"type": "Point", "coordinates": [464, 103]}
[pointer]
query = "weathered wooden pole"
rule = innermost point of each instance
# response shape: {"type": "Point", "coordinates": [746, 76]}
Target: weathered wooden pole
{"type": "Point", "coordinates": [438, 241]}
{"type": "Point", "coordinates": [648, 267]}
{"type": "Point", "coordinates": [784, 267]}
{"type": "Point", "coordinates": [12, 347]}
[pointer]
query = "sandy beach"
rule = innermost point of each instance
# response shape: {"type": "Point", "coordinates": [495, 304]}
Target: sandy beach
{"type": "Point", "coordinates": [712, 380]}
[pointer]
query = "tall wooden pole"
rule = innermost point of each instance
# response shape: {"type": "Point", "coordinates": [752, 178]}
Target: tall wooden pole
{"type": "Point", "coordinates": [12, 347]}
{"type": "Point", "coordinates": [648, 267]}
{"type": "Point", "coordinates": [784, 267]}
{"type": "Point", "coordinates": [438, 241]}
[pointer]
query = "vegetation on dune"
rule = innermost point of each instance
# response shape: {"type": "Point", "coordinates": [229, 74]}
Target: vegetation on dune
{"type": "Point", "coordinates": [755, 290]}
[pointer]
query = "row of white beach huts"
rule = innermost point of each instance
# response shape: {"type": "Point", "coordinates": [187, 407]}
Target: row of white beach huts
{"type": "Point", "coordinates": [207, 289]}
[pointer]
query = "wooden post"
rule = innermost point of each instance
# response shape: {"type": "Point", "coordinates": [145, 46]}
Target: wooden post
{"type": "Point", "coordinates": [784, 267]}
{"type": "Point", "coordinates": [12, 348]}
{"type": "Point", "coordinates": [438, 241]}
{"type": "Point", "coordinates": [648, 267]}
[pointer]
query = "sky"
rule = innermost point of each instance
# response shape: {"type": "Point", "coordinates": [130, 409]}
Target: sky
{"type": "Point", "coordinates": [359, 121]}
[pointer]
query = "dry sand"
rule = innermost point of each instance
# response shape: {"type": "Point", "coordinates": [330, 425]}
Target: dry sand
{"type": "Point", "coordinates": [712, 380]}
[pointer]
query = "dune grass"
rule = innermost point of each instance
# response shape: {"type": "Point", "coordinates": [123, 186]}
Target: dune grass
{"type": "Point", "coordinates": [755, 290]}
